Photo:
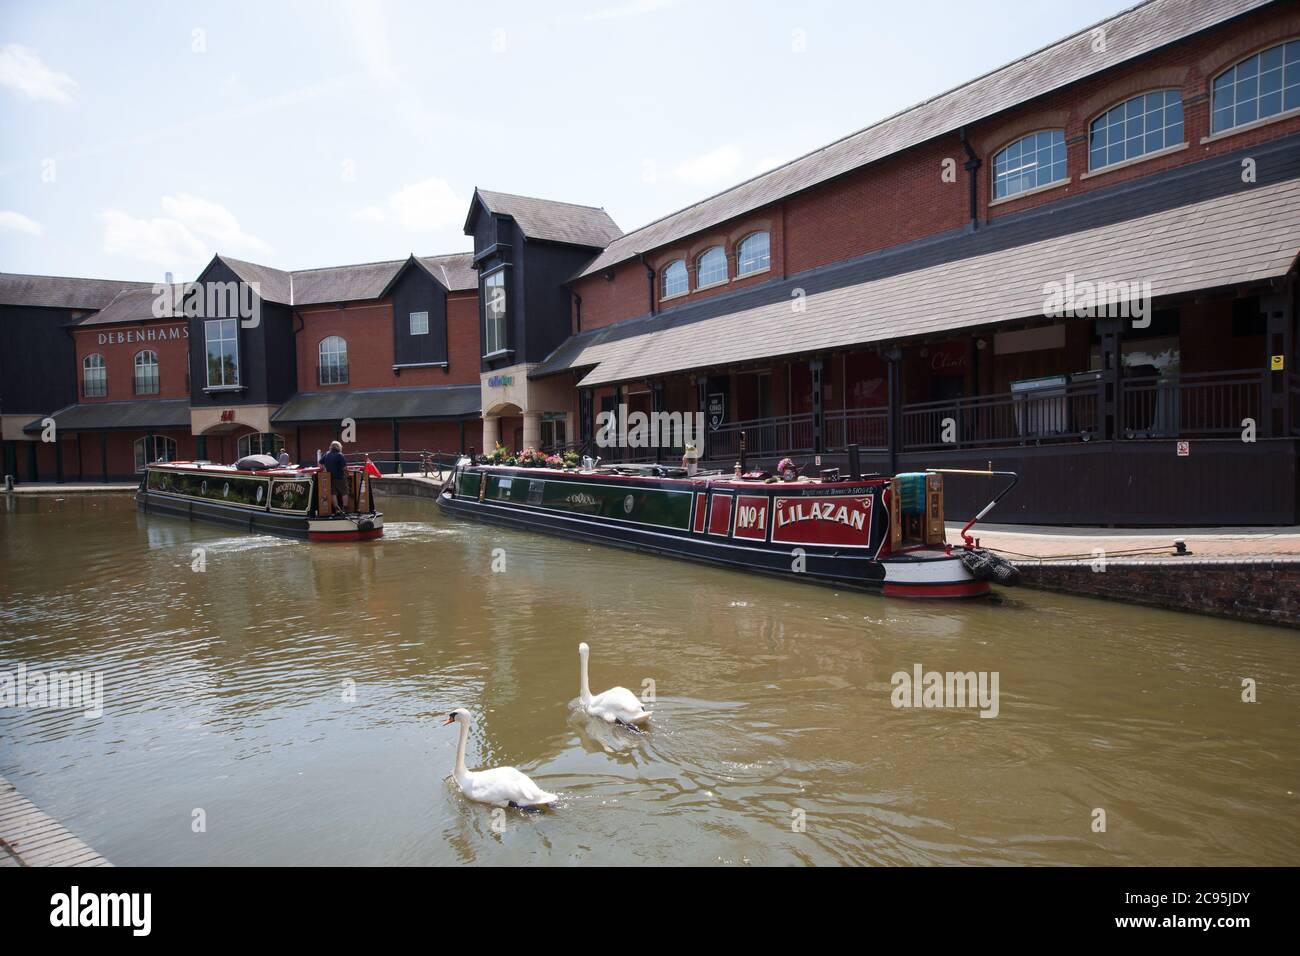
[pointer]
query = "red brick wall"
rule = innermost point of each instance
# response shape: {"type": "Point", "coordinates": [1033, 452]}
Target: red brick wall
{"type": "Point", "coordinates": [368, 329]}
{"type": "Point", "coordinates": [119, 355]}
{"type": "Point", "coordinates": [903, 197]}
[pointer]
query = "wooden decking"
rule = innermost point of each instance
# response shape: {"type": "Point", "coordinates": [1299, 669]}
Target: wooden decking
{"type": "Point", "coordinates": [31, 837]}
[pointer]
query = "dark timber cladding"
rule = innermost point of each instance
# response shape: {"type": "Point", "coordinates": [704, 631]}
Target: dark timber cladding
{"type": "Point", "coordinates": [415, 289]}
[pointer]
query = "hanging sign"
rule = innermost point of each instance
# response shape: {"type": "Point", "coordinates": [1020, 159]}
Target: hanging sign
{"type": "Point", "coordinates": [717, 406]}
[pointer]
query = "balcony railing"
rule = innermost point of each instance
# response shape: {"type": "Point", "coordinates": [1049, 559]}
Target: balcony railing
{"type": "Point", "coordinates": [867, 428]}
{"type": "Point", "coordinates": [1067, 413]}
{"type": "Point", "coordinates": [787, 435]}
{"type": "Point", "coordinates": [1195, 405]}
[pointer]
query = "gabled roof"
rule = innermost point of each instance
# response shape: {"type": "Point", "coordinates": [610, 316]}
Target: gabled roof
{"type": "Point", "coordinates": [60, 292]}
{"type": "Point", "coordinates": [131, 305]}
{"type": "Point", "coordinates": [343, 283]}
{"type": "Point", "coordinates": [455, 272]}
{"type": "Point", "coordinates": [1130, 33]}
{"type": "Point", "coordinates": [1187, 229]}
{"type": "Point", "coordinates": [274, 285]}
{"type": "Point", "coordinates": [548, 220]}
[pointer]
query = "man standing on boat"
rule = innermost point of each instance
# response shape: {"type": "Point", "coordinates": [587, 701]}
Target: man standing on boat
{"type": "Point", "coordinates": [337, 466]}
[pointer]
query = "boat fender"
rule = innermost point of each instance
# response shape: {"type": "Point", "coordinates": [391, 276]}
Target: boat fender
{"type": "Point", "coordinates": [986, 566]}
{"type": "Point", "coordinates": [365, 524]}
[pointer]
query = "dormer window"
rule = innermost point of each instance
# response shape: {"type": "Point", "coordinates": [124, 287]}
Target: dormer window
{"type": "Point", "coordinates": [494, 312]}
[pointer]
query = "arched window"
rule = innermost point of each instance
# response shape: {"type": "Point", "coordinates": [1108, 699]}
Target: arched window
{"type": "Point", "coordinates": [711, 267]}
{"type": "Point", "coordinates": [1258, 87]}
{"type": "Point", "coordinates": [675, 282]}
{"type": "Point", "coordinates": [153, 448]}
{"type": "Point", "coordinates": [146, 372]}
{"type": "Point", "coordinates": [94, 376]}
{"type": "Point", "coordinates": [1030, 162]}
{"type": "Point", "coordinates": [1142, 125]}
{"type": "Point", "coordinates": [333, 361]}
{"type": "Point", "coordinates": [754, 254]}
{"type": "Point", "coordinates": [260, 443]}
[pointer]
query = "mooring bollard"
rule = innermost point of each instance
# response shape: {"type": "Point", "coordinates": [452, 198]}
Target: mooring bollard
{"type": "Point", "coordinates": [9, 482]}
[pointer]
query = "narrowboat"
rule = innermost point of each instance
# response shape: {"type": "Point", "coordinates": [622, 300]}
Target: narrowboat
{"type": "Point", "coordinates": [868, 532]}
{"type": "Point", "coordinates": [257, 494]}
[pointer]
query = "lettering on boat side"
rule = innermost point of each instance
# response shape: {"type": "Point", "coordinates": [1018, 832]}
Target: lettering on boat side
{"type": "Point", "coordinates": [751, 517]}
{"type": "Point", "coordinates": [839, 520]}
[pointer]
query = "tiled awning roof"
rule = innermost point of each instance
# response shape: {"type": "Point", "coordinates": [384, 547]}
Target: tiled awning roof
{"type": "Point", "coordinates": [442, 401]}
{"type": "Point", "coordinates": [137, 415]}
{"type": "Point", "coordinates": [1197, 227]}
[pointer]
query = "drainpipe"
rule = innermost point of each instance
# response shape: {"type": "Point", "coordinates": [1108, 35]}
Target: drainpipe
{"type": "Point", "coordinates": [650, 278]}
{"type": "Point", "coordinates": [577, 302]}
{"type": "Point", "coordinates": [972, 166]}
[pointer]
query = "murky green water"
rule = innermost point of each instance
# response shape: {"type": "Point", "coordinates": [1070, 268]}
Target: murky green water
{"type": "Point", "coordinates": [225, 692]}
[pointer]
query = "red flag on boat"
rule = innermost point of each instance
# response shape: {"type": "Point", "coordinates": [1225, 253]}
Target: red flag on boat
{"type": "Point", "coordinates": [371, 470]}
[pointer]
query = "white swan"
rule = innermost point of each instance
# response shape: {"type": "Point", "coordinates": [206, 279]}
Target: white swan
{"type": "Point", "coordinates": [616, 705]}
{"type": "Point", "coordinates": [500, 786]}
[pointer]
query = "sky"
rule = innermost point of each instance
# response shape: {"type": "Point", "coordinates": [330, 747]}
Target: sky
{"type": "Point", "coordinates": [141, 138]}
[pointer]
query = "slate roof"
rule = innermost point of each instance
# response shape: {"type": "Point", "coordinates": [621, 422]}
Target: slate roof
{"type": "Point", "coordinates": [1129, 34]}
{"type": "Point", "coordinates": [552, 221]}
{"type": "Point", "coordinates": [351, 283]}
{"type": "Point", "coordinates": [60, 292]}
{"type": "Point", "coordinates": [441, 401]}
{"type": "Point", "coordinates": [1189, 228]}
{"type": "Point", "coordinates": [141, 413]}
{"type": "Point", "coordinates": [131, 305]}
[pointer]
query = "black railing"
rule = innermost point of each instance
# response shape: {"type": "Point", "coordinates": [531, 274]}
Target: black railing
{"type": "Point", "coordinates": [1067, 413]}
{"type": "Point", "coordinates": [785, 435]}
{"type": "Point", "coordinates": [868, 428]}
{"type": "Point", "coordinates": [1193, 405]}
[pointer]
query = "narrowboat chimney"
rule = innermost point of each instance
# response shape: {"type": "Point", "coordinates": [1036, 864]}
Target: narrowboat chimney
{"type": "Point", "coordinates": [741, 466]}
{"type": "Point", "coordinates": [855, 463]}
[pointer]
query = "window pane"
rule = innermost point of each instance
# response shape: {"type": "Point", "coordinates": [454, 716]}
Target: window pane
{"type": "Point", "coordinates": [675, 278]}
{"type": "Point", "coordinates": [419, 323]}
{"type": "Point", "coordinates": [1152, 121]}
{"type": "Point", "coordinates": [712, 267]}
{"type": "Point", "coordinates": [754, 254]}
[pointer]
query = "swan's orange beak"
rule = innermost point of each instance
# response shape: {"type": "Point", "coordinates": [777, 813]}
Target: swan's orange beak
{"type": "Point", "coordinates": [451, 719]}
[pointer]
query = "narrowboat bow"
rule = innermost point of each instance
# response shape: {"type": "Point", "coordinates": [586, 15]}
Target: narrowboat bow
{"type": "Point", "coordinates": [256, 494]}
{"type": "Point", "coordinates": [868, 532]}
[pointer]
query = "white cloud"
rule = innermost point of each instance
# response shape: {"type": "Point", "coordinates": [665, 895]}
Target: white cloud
{"type": "Point", "coordinates": [721, 165]}
{"type": "Point", "coordinates": [193, 229]}
{"type": "Point", "coordinates": [634, 8]}
{"type": "Point", "coordinates": [214, 222]}
{"type": "Point", "coordinates": [162, 241]}
{"type": "Point", "coordinates": [23, 70]}
{"type": "Point", "coordinates": [16, 222]}
{"type": "Point", "coordinates": [427, 206]}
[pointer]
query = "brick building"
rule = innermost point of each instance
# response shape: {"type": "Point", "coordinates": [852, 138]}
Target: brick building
{"type": "Point", "coordinates": [1080, 266]}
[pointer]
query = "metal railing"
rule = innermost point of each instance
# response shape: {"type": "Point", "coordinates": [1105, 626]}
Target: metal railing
{"type": "Point", "coordinates": [1067, 413]}
{"type": "Point", "coordinates": [868, 428]}
{"type": "Point", "coordinates": [1191, 405]}
{"type": "Point", "coordinates": [784, 435]}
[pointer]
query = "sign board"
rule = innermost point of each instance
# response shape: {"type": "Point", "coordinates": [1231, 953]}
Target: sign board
{"type": "Point", "coordinates": [717, 409]}
{"type": "Point", "coordinates": [500, 381]}
{"type": "Point", "coordinates": [1184, 449]}
{"type": "Point", "coordinates": [1278, 363]}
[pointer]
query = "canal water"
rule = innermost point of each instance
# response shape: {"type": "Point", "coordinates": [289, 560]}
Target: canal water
{"type": "Point", "coordinates": [273, 702]}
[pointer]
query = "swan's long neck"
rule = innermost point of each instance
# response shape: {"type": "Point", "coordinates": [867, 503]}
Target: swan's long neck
{"type": "Point", "coordinates": [461, 770]}
{"type": "Point", "coordinates": [584, 688]}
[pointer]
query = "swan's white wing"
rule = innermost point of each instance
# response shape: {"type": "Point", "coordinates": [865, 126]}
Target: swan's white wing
{"type": "Point", "coordinates": [504, 785]}
{"type": "Point", "coordinates": [618, 703]}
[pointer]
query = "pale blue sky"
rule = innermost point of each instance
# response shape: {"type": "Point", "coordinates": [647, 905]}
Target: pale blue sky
{"type": "Point", "coordinates": [311, 133]}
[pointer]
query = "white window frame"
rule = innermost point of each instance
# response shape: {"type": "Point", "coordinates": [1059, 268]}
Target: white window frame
{"type": "Point", "coordinates": [496, 313]}
{"type": "Point", "coordinates": [700, 281]}
{"type": "Point", "coordinates": [228, 345]}
{"type": "Point", "coordinates": [146, 455]}
{"type": "Point", "coordinates": [423, 328]}
{"type": "Point", "coordinates": [1288, 77]}
{"type": "Point", "coordinates": [1003, 173]}
{"type": "Point", "coordinates": [332, 362]}
{"type": "Point", "coordinates": [149, 367]}
{"type": "Point", "coordinates": [685, 272]}
{"type": "Point", "coordinates": [1123, 125]}
{"type": "Point", "coordinates": [94, 376]}
{"type": "Point", "coordinates": [747, 264]}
